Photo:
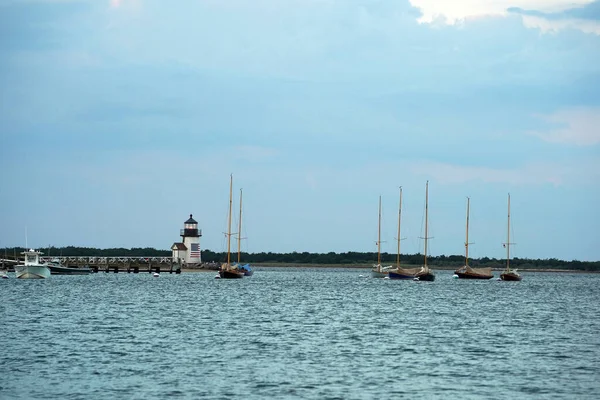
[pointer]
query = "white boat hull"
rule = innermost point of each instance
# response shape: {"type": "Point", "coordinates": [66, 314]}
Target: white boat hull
{"type": "Point", "coordinates": [377, 274]}
{"type": "Point", "coordinates": [32, 271]}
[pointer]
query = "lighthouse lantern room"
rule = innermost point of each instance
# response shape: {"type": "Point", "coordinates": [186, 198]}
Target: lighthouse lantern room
{"type": "Point", "coordinates": [188, 250]}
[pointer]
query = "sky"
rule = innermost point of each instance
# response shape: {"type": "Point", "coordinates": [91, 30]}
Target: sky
{"type": "Point", "coordinates": [120, 118]}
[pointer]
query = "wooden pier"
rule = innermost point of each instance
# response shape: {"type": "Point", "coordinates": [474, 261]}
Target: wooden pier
{"type": "Point", "coordinates": [114, 264]}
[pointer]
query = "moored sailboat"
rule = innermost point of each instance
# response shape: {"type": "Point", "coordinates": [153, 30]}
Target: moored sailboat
{"type": "Point", "coordinates": [377, 271]}
{"type": "Point", "coordinates": [246, 269]}
{"type": "Point", "coordinates": [466, 272]}
{"type": "Point", "coordinates": [228, 271]}
{"type": "Point", "coordinates": [509, 274]}
{"type": "Point", "coordinates": [399, 272]}
{"type": "Point", "coordinates": [425, 274]}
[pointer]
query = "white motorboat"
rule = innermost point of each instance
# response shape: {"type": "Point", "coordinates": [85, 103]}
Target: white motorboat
{"type": "Point", "coordinates": [32, 268]}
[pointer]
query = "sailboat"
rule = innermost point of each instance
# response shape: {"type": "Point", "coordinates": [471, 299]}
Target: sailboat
{"type": "Point", "coordinates": [246, 267]}
{"type": "Point", "coordinates": [399, 272]}
{"type": "Point", "coordinates": [32, 268]}
{"type": "Point", "coordinates": [509, 274]}
{"type": "Point", "coordinates": [466, 272]}
{"type": "Point", "coordinates": [377, 271]}
{"type": "Point", "coordinates": [425, 273]}
{"type": "Point", "coordinates": [228, 271]}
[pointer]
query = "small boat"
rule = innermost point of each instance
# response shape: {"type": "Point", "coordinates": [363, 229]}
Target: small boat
{"type": "Point", "coordinates": [399, 272]}
{"type": "Point", "coordinates": [377, 271]}
{"type": "Point", "coordinates": [509, 274]}
{"type": "Point", "coordinates": [425, 274]}
{"type": "Point", "coordinates": [57, 268]}
{"type": "Point", "coordinates": [466, 272]}
{"type": "Point", "coordinates": [246, 269]}
{"type": "Point", "coordinates": [32, 268]}
{"type": "Point", "coordinates": [228, 271]}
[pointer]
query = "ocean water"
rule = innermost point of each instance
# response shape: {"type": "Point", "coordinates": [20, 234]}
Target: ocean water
{"type": "Point", "coordinates": [299, 334]}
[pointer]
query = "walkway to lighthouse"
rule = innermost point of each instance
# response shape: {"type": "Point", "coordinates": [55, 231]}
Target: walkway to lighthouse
{"type": "Point", "coordinates": [118, 264]}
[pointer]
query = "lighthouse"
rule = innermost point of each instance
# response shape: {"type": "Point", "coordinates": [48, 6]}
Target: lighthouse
{"type": "Point", "coordinates": [188, 250]}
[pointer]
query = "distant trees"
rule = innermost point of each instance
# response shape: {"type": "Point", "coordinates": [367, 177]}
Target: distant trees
{"type": "Point", "coordinates": [348, 258]}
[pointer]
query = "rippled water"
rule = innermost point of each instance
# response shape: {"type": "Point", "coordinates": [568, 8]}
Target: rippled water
{"type": "Point", "coordinates": [299, 333]}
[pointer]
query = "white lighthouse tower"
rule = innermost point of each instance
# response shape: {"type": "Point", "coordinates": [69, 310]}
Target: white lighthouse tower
{"type": "Point", "coordinates": [188, 251]}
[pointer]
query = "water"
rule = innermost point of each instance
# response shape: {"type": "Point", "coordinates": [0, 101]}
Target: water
{"type": "Point", "coordinates": [299, 334]}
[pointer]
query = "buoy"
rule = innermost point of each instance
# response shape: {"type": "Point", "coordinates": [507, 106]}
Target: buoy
{"type": "Point", "coordinates": [361, 276]}
{"type": "Point", "coordinates": [386, 277]}
{"type": "Point", "coordinates": [217, 276]}
{"type": "Point", "coordinates": [455, 276]}
{"type": "Point", "coordinates": [156, 274]}
{"type": "Point", "coordinates": [416, 279]}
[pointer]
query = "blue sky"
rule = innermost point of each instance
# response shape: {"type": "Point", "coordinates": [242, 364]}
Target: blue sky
{"type": "Point", "coordinates": [120, 118]}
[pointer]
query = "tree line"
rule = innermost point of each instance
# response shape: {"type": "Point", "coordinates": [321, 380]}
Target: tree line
{"type": "Point", "coordinates": [342, 259]}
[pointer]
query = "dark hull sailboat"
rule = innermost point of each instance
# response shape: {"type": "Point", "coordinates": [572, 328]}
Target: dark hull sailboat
{"type": "Point", "coordinates": [510, 276]}
{"type": "Point", "coordinates": [230, 274]}
{"type": "Point", "coordinates": [400, 275]}
{"type": "Point", "coordinates": [466, 272]}
{"type": "Point", "coordinates": [466, 275]}
{"type": "Point", "coordinates": [474, 273]}
{"type": "Point", "coordinates": [425, 276]}
{"type": "Point", "coordinates": [227, 271]}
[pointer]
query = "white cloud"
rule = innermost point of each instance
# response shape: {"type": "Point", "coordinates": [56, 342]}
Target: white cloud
{"type": "Point", "coordinates": [578, 126]}
{"type": "Point", "coordinates": [530, 174]}
{"type": "Point", "coordinates": [549, 26]}
{"type": "Point", "coordinates": [452, 12]}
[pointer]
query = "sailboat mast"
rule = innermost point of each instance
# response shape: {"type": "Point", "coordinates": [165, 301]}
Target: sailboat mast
{"type": "Point", "coordinates": [399, 220]}
{"type": "Point", "coordinates": [467, 238]}
{"type": "Point", "coordinates": [379, 238]}
{"type": "Point", "coordinates": [508, 238]}
{"type": "Point", "coordinates": [426, 218]}
{"type": "Point", "coordinates": [240, 229]}
{"type": "Point", "coordinates": [229, 220]}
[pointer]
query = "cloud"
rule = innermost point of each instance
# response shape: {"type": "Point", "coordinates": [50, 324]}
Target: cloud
{"type": "Point", "coordinates": [552, 26]}
{"type": "Point", "coordinates": [590, 11]}
{"type": "Point", "coordinates": [585, 18]}
{"type": "Point", "coordinates": [539, 173]}
{"type": "Point", "coordinates": [577, 126]}
{"type": "Point", "coordinates": [546, 15]}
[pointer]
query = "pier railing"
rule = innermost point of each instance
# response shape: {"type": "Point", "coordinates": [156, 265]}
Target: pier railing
{"type": "Point", "coordinates": [110, 260]}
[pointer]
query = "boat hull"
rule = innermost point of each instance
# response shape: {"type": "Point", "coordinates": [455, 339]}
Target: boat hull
{"type": "Point", "coordinates": [62, 270]}
{"type": "Point", "coordinates": [425, 277]}
{"type": "Point", "coordinates": [398, 276]}
{"type": "Point", "coordinates": [466, 275]}
{"type": "Point", "coordinates": [510, 276]}
{"type": "Point", "coordinates": [378, 274]}
{"type": "Point", "coordinates": [228, 274]}
{"type": "Point", "coordinates": [32, 272]}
